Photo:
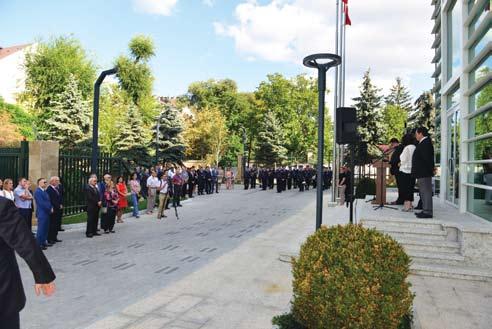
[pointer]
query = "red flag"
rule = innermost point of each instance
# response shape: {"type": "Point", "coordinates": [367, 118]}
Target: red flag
{"type": "Point", "coordinates": [345, 9]}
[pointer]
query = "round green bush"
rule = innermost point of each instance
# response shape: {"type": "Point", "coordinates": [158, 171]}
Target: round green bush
{"type": "Point", "coordinates": [351, 277]}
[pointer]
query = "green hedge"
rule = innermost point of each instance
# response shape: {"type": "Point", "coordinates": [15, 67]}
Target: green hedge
{"type": "Point", "coordinates": [349, 277]}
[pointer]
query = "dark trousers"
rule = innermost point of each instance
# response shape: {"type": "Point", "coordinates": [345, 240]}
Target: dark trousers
{"type": "Point", "coordinates": [208, 186]}
{"type": "Point", "coordinates": [55, 219]}
{"type": "Point", "coordinates": [253, 182]}
{"type": "Point", "coordinates": [184, 190]}
{"type": "Point", "coordinates": [398, 178]}
{"type": "Point", "coordinates": [26, 213]}
{"type": "Point", "coordinates": [280, 186]}
{"type": "Point", "coordinates": [92, 220]}
{"type": "Point", "coordinates": [190, 190]}
{"type": "Point", "coordinates": [43, 228]}
{"type": "Point", "coordinates": [107, 224]}
{"type": "Point", "coordinates": [289, 183]}
{"type": "Point", "coordinates": [264, 184]}
{"type": "Point", "coordinates": [10, 321]}
{"type": "Point", "coordinates": [425, 189]}
{"type": "Point", "coordinates": [246, 183]}
{"type": "Point", "coordinates": [407, 185]}
{"type": "Point", "coordinates": [201, 187]}
{"type": "Point", "coordinates": [301, 186]}
{"type": "Point", "coordinates": [177, 195]}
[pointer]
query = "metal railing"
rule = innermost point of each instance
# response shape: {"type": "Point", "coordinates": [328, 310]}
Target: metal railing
{"type": "Point", "coordinates": [14, 162]}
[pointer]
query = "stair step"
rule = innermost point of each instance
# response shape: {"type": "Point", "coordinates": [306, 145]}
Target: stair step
{"type": "Point", "coordinates": [451, 271]}
{"type": "Point", "coordinates": [421, 232]}
{"type": "Point", "coordinates": [430, 245]}
{"type": "Point", "coordinates": [403, 236]}
{"type": "Point", "coordinates": [436, 256]}
{"type": "Point", "coordinates": [405, 222]}
{"type": "Point", "coordinates": [431, 249]}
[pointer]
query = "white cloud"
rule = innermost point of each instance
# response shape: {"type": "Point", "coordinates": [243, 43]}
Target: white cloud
{"type": "Point", "coordinates": [209, 3]}
{"type": "Point", "coordinates": [392, 39]}
{"type": "Point", "coordinates": [155, 7]}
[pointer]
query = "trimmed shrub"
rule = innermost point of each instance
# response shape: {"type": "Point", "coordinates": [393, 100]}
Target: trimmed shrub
{"type": "Point", "coordinates": [365, 186]}
{"type": "Point", "coordinates": [351, 277]}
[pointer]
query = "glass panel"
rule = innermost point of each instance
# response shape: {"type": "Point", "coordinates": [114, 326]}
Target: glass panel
{"type": "Point", "coordinates": [482, 97]}
{"type": "Point", "coordinates": [480, 150]}
{"type": "Point", "coordinates": [480, 200]}
{"type": "Point", "coordinates": [454, 39]}
{"type": "Point", "coordinates": [453, 98]}
{"type": "Point", "coordinates": [480, 125]}
{"type": "Point", "coordinates": [451, 148]}
{"type": "Point", "coordinates": [457, 156]}
{"type": "Point", "coordinates": [479, 18]}
{"type": "Point", "coordinates": [481, 43]}
{"type": "Point", "coordinates": [481, 71]}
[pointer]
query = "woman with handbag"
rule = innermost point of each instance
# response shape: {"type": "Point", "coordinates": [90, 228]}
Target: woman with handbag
{"type": "Point", "coordinates": [123, 202]}
{"type": "Point", "coordinates": [112, 198]}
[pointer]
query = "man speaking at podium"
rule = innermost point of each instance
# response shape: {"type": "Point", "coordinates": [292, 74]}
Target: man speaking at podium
{"type": "Point", "coordinates": [15, 236]}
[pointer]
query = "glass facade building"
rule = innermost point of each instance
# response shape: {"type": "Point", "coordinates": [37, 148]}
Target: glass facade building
{"type": "Point", "coordinates": [463, 93]}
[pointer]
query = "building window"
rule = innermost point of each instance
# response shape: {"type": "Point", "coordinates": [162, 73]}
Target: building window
{"type": "Point", "coordinates": [482, 41]}
{"type": "Point", "coordinates": [480, 200]}
{"type": "Point", "coordinates": [453, 98]}
{"type": "Point", "coordinates": [481, 70]}
{"type": "Point", "coordinates": [481, 98]}
{"type": "Point", "coordinates": [484, 10]}
{"type": "Point", "coordinates": [454, 39]}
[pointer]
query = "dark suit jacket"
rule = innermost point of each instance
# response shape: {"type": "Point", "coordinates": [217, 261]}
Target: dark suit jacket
{"type": "Point", "coordinates": [395, 160]}
{"type": "Point", "coordinates": [55, 198]}
{"type": "Point", "coordinates": [43, 203]}
{"type": "Point", "coordinates": [92, 198]}
{"type": "Point", "coordinates": [15, 235]}
{"type": "Point", "coordinates": [423, 159]}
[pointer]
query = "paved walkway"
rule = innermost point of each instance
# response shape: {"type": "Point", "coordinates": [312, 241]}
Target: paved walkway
{"type": "Point", "coordinates": [221, 255]}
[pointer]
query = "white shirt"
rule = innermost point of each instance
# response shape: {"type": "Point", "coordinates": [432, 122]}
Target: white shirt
{"type": "Point", "coordinates": [9, 195]}
{"type": "Point", "coordinates": [152, 182]}
{"type": "Point", "coordinates": [406, 159]}
{"type": "Point", "coordinates": [170, 173]}
{"type": "Point", "coordinates": [163, 185]}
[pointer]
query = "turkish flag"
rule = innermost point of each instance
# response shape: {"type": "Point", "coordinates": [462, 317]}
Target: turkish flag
{"type": "Point", "coordinates": [347, 17]}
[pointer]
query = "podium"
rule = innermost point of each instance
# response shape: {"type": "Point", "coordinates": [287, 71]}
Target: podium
{"type": "Point", "coordinates": [382, 167]}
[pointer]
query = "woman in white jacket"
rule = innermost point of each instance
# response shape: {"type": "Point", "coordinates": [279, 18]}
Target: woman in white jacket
{"type": "Point", "coordinates": [407, 181]}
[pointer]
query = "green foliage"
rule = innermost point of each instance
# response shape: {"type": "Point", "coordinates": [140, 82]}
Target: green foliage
{"type": "Point", "coordinates": [113, 107]}
{"type": "Point", "coordinates": [142, 48]}
{"type": "Point", "coordinates": [270, 142]}
{"type": "Point", "coordinates": [287, 321]}
{"type": "Point", "coordinates": [351, 277]}
{"type": "Point", "coordinates": [365, 186]}
{"type": "Point", "coordinates": [171, 145]}
{"type": "Point", "coordinates": [395, 119]}
{"type": "Point", "coordinates": [425, 112]}
{"type": "Point", "coordinates": [371, 127]}
{"type": "Point", "coordinates": [48, 71]}
{"type": "Point", "coordinates": [399, 96]}
{"type": "Point", "coordinates": [131, 141]}
{"type": "Point", "coordinates": [69, 121]}
{"type": "Point", "coordinates": [22, 119]}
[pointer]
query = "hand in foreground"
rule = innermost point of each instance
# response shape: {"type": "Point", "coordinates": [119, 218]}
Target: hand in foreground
{"type": "Point", "coordinates": [47, 289]}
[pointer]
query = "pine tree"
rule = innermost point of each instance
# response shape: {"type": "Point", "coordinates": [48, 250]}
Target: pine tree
{"type": "Point", "coordinates": [270, 149]}
{"type": "Point", "coordinates": [371, 127]}
{"type": "Point", "coordinates": [425, 112]}
{"type": "Point", "coordinates": [171, 147]}
{"type": "Point", "coordinates": [69, 118]}
{"type": "Point", "coordinates": [131, 140]}
{"type": "Point", "coordinates": [399, 96]}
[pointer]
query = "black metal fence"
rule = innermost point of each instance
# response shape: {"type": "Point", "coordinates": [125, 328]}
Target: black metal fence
{"type": "Point", "coordinates": [14, 162]}
{"type": "Point", "coordinates": [74, 172]}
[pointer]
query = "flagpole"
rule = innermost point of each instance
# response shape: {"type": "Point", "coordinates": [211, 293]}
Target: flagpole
{"type": "Point", "coordinates": [335, 103]}
{"type": "Point", "coordinates": [341, 77]}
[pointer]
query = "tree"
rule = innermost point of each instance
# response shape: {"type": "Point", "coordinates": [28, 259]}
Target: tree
{"type": "Point", "coordinates": [135, 76]}
{"type": "Point", "coordinates": [270, 149]}
{"type": "Point", "coordinates": [21, 118]}
{"type": "Point", "coordinates": [399, 96]}
{"type": "Point", "coordinates": [9, 132]}
{"type": "Point", "coordinates": [371, 128]}
{"type": "Point", "coordinates": [113, 107]}
{"type": "Point", "coordinates": [395, 119]}
{"type": "Point", "coordinates": [425, 112]}
{"type": "Point", "coordinates": [171, 147]}
{"type": "Point", "coordinates": [206, 135]}
{"type": "Point", "coordinates": [69, 121]}
{"type": "Point", "coordinates": [131, 141]}
{"type": "Point", "coordinates": [48, 71]}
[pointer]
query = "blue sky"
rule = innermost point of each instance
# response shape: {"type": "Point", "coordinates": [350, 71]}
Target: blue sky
{"type": "Point", "coordinates": [239, 39]}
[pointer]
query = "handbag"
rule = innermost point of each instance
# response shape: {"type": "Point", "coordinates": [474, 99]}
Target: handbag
{"type": "Point", "coordinates": [104, 210]}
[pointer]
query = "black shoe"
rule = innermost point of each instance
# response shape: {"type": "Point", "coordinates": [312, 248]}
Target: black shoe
{"type": "Point", "coordinates": [97, 234]}
{"type": "Point", "coordinates": [43, 248]}
{"type": "Point", "coordinates": [51, 241]}
{"type": "Point", "coordinates": [48, 245]}
{"type": "Point", "coordinates": [112, 231]}
{"type": "Point", "coordinates": [423, 215]}
{"type": "Point", "coordinates": [58, 240]}
{"type": "Point", "coordinates": [106, 232]}
{"type": "Point", "coordinates": [61, 230]}
{"type": "Point", "coordinates": [418, 208]}
{"type": "Point", "coordinates": [89, 235]}
{"type": "Point", "coordinates": [179, 205]}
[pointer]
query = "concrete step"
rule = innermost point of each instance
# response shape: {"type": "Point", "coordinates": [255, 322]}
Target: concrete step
{"type": "Point", "coordinates": [430, 245]}
{"type": "Point", "coordinates": [436, 257]}
{"type": "Point", "coordinates": [404, 222]}
{"type": "Point", "coordinates": [410, 233]}
{"type": "Point", "coordinates": [451, 271]}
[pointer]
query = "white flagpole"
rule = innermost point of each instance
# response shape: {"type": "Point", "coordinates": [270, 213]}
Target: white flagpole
{"type": "Point", "coordinates": [335, 105]}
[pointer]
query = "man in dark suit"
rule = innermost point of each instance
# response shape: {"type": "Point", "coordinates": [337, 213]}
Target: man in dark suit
{"type": "Point", "coordinates": [57, 206]}
{"type": "Point", "coordinates": [395, 168]}
{"type": "Point", "coordinates": [16, 236]}
{"type": "Point", "coordinates": [94, 203]}
{"type": "Point", "coordinates": [423, 170]}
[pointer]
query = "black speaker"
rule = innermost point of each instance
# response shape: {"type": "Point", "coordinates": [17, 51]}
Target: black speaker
{"type": "Point", "coordinates": [346, 125]}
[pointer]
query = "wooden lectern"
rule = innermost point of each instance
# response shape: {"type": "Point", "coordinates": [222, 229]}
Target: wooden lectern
{"type": "Point", "coordinates": [381, 167]}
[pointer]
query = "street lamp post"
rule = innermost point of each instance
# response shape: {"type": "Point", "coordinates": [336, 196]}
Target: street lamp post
{"type": "Point", "coordinates": [321, 62]}
{"type": "Point", "coordinates": [157, 132]}
{"type": "Point", "coordinates": [95, 118]}
{"type": "Point", "coordinates": [244, 155]}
